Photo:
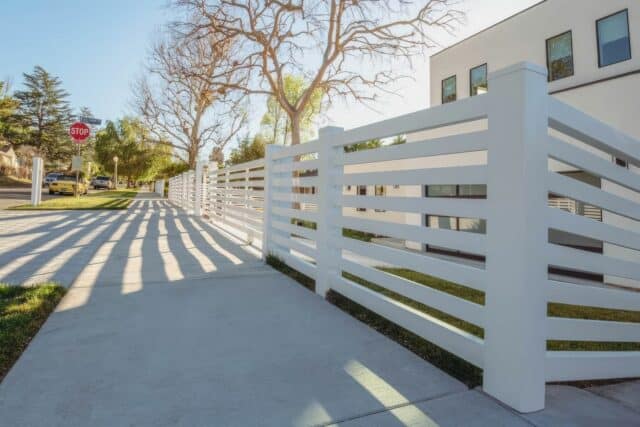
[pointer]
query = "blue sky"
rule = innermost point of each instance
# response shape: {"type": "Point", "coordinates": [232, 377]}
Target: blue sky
{"type": "Point", "coordinates": [97, 48]}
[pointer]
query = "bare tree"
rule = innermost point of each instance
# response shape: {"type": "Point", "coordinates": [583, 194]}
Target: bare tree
{"type": "Point", "coordinates": [184, 100]}
{"type": "Point", "coordinates": [327, 41]}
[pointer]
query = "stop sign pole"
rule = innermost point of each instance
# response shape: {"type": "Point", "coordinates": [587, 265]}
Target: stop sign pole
{"type": "Point", "coordinates": [79, 132]}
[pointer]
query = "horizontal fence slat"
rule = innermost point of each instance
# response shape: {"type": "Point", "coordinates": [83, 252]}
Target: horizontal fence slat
{"type": "Point", "coordinates": [254, 164]}
{"type": "Point", "coordinates": [583, 226]}
{"type": "Point", "coordinates": [456, 341]}
{"type": "Point", "coordinates": [457, 240]}
{"type": "Point", "coordinates": [592, 296]}
{"type": "Point", "coordinates": [455, 272]}
{"type": "Point", "coordinates": [591, 365]}
{"type": "Point", "coordinates": [582, 159]}
{"type": "Point", "coordinates": [295, 166]}
{"type": "Point", "coordinates": [296, 182]}
{"type": "Point", "coordinates": [464, 110]}
{"type": "Point", "coordinates": [295, 229]}
{"type": "Point", "coordinates": [298, 246]}
{"type": "Point", "coordinates": [476, 141]}
{"type": "Point", "coordinates": [297, 150]}
{"type": "Point", "coordinates": [585, 128]}
{"type": "Point", "coordinates": [447, 303]}
{"type": "Point", "coordinates": [592, 330]}
{"type": "Point", "coordinates": [575, 259]}
{"type": "Point", "coordinates": [466, 208]}
{"type": "Point", "coordinates": [591, 195]}
{"type": "Point", "coordinates": [295, 197]}
{"type": "Point", "coordinates": [432, 176]}
{"type": "Point", "coordinates": [296, 263]}
{"type": "Point", "coordinates": [296, 213]}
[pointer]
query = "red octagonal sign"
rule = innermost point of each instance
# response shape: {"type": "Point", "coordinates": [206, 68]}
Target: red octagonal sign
{"type": "Point", "coordinates": [79, 132]}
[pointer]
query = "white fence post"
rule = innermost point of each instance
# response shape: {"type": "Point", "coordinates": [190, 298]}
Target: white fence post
{"type": "Point", "coordinates": [268, 201]}
{"type": "Point", "coordinates": [515, 326]}
{"type": "Point", "coordinates": [247, 201]}
{"type": "Point", "coordinates": [36, 181]}
{"type": "Point", "coordinates": [197, 203]}
{"type": "Point", "coordinates": [328, 209]}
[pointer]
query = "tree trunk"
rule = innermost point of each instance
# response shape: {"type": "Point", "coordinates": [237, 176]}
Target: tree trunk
{"type": "Point", "coordinates": [193, 157]}
{"type": "Point", "coordinates": [295, 130]}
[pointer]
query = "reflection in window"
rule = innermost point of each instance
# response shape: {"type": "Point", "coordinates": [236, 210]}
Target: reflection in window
{"type": "Point", "coordinates": [471, 225]}
{"type": "Point", "coordinates": [449, 90]}
{"type": "Point", "coordinates": [478, 79]}
{"type": "Point", "coordinates": [614, 44]}
{"type": "Point", "coordinates": [476, 191]}
{"type": "Point", "coordinates": [560, 56]}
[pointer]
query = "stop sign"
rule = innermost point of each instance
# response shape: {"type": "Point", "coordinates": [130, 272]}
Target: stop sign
{"type": "Point", "coordinates": [79, 132]}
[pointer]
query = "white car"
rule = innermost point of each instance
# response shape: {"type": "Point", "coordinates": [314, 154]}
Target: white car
{"type": "Point", "coordinates": [102, 182]}
{"type": "Point", "coordinates": [51, 177]}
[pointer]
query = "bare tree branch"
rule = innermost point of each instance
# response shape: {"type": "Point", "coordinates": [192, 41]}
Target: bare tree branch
{"type": "Point", "coordinates": [328, 41]}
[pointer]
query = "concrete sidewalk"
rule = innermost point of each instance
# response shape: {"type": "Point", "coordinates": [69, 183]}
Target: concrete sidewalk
{"type": "Point", "coordinates": [172, 322]}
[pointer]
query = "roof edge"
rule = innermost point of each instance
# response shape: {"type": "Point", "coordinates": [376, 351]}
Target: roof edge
{"type": "Point", "coordinates": [489, 27]}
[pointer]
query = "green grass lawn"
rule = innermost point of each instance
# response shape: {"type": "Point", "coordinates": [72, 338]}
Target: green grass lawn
{"type": "Point", "coordinates": [12, 182]}
{"type": "Point", "coordinates": [102, 200]}
{"type": "Point", "coordinates": [23, 310]}
{"type": "Point", "coordinates": [448, 362]}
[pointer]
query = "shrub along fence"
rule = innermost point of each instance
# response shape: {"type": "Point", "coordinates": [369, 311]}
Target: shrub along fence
{"type": "Point", "coordinates": [518, 149]}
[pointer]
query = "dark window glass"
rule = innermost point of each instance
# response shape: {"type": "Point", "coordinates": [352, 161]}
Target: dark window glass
{"type": "Point", "coordinates": [614, 44]}
{"type": "Point", "coordinates": [478, 79]}
{"type": "Point", "coordinates": [449, 90]}
{"type": "Point", "coordinates": [560, 56]}
{"type": "Point", "coordinates": [362, 191]}
{"type": "Point", "coordinates": [380, 192]}
{"type": "Point", "coordinates": [470, 191]}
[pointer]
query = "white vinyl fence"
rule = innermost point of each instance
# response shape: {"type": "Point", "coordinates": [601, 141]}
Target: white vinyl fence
{"type": "Point", "coordinates": [522, 132]}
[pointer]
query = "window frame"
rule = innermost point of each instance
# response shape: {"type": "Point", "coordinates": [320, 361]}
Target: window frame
{"type": "Point", "coordinates": [546, 48]}
{"type": "Point", "coordinates": [600, 65]}
{"type": "Point", "coordinates": [455, 77]}
{"type": "Point", "coordinates": [486, 72]}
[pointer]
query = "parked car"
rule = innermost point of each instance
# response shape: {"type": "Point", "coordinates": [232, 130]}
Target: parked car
{"type": "Point", "coordinates": [66, 184]}
{"type": "Point", "coordinates": [102, 182]}
{"type": "Point", "coordinates": [51, 177]}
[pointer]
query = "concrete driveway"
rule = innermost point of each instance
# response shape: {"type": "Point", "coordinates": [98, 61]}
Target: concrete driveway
{"type": "Point", "coordinates": [169, 321]}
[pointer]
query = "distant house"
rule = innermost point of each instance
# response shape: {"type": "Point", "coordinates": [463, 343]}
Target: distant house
{"type": "Point", "coordinates": [8, 157]}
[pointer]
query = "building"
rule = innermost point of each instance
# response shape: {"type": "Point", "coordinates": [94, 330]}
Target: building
{"type": "Point", "coordinates": [8, 158]}
{"type": "Point", "coordinates": [592, 53]}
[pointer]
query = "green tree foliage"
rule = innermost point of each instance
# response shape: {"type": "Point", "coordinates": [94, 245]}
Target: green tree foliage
{"type": "Point", "coordinates": [248, 149]}
{"type": "Point", "coordinates": [8, 107]}
{"type": "Point", "coordinates": [367, 145]}
{"type": "Point", "coordinates": [139, 158]}
{"type": "Point", "coordinates": [276, 124]}
{"type": "Point", "coordinates": [44, 114]}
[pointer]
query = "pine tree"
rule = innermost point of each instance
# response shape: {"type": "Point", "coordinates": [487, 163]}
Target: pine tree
{"type": "Point", "coordinates": [45, 115]}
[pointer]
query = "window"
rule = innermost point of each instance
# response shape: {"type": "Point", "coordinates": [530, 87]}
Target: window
{"type": "Point", "coordinates": [560, 56]}
{"type": "Point", "coordinates": [621, 162]}
{"type": "Point", "coordinates": [478, 80]}
{"type": "Point", "coordinates": [379, 192]}
{"type": "Point", "coordinates": [362, 191]}
{"type": "Point", "coordinates": [449, 90]}
{"type": "Point", "coordinates": [469, 191]}
{"type": "Point", "coordinates": [614, 43]}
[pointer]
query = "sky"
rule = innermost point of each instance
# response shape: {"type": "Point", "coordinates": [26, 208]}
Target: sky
{"type": "Point", "coordinates": [97, 48]}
